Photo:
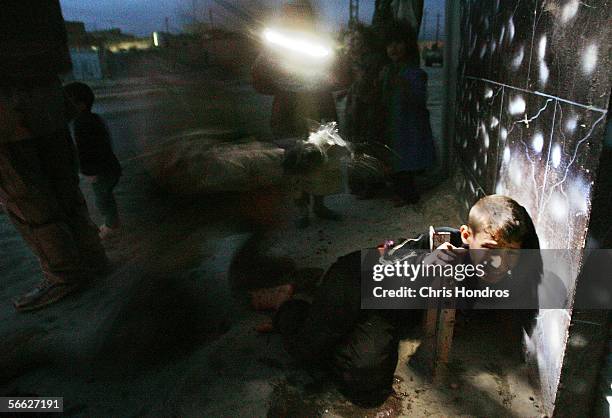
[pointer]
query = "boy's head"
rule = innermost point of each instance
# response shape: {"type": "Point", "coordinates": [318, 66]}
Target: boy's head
{"type": "Point", "coordinates": [81, 95]}
{"type": "Point", "coordinates": [401, 44]}
{"type": "Point", "coordinates": [498, 222]}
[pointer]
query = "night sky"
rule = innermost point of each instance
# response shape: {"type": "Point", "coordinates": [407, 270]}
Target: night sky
{"type": "Point", "coordinates": [142, 17]}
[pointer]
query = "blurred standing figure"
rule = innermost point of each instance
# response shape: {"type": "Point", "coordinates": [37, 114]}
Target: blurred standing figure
{"type": "Point", "coordinates": [408, 128]}
{"type": "Point", "coordinates": [39, 185]}
{"type": "Point", "coordinates": [302, 88]}
{"type": "Point", "coordinates": [366, 62]}
{"type": "Point", "coordinates": [298, 97]}
{"type": "Point", "coordinates": [97, 160]}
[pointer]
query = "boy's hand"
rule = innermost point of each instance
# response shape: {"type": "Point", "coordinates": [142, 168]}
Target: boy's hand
{"type": "Point", "coordinates": [445, 254]}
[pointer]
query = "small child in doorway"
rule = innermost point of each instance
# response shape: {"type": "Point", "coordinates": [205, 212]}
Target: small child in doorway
{"type": "Point", "coordinates": [97, 160]}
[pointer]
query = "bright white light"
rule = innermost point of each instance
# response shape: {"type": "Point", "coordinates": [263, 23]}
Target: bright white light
{"type": "Point", "coordinates": [301, 45]}
{"type": "Point", "coordinates": [155, 39]}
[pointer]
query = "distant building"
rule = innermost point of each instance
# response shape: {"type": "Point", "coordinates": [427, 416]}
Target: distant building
{"type": "Point", "coordinates": [86, 64]}
{"type": "Point", "coordinates": [86, 53]}
{"type": "Point", "coordinates": [116, 41]}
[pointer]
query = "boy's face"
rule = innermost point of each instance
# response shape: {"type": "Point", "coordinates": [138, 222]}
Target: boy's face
{"type": "Point", "coordinates": [79, 106]}
{"type": "Point", "coordinates": [497, 256]}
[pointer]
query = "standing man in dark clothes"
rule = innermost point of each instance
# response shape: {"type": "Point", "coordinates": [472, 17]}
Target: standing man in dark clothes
{"type": "Point", "coordinates": [97, 160]}
{"type": "Point", "coordinates": [302, 90]}
{"type": "Point", "coordinates": [39, 185]}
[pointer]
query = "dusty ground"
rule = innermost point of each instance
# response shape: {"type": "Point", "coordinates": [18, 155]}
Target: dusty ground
{"type": "Point", "coordinates": [165, 334]}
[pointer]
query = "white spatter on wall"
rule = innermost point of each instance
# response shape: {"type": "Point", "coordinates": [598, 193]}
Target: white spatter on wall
{"type": "Point", "coordinates": [502, 33]}
{"type": "Point", "coordinates": [538, 142]}
{"type": "Point", "coordinates": [483, 50]}
{"type": "Point", "coordinates": [494, 122]}
{"type": "Point", "coordinates": [571, 124]}
{"type": "Point", "coordinates": [506, 157]}
{"type": "Point", "coordinates": [556, 155]}
{"type": "Point", "coordinates": [542, 48]}
{"type": "Point", "coordinates": [518, 58]}
{"type": "Point", "coordinates": [504, 134]}
{"type": "Point", "coordinates": [558, 207]}
{"type": "Point", "coordinates": [493, 46]}
{"type": "Point", "coordinates": [569, 10]}
{"type": "Point", "coordinates": [485, 135]}
{"type": "Point", "coordinates": [517, 106]}
{"type": "Point", "coordinates": [488, 93]}
{"type": "Point", "coordinates": [544, 72]}
{"type": "Point", "coordinates": [589, 59]}
{"type": "Point", "coordinates": [578, 193]}
{"type": "Point", "coordinates": [511, 29]}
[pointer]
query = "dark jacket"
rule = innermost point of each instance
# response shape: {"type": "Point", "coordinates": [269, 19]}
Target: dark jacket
{"type": "Point", "coordinates": [408, 128]}
{"type": "Point", "coordinates": [93, 141]}
{"type": "Point", "coordinates": [33, 40]}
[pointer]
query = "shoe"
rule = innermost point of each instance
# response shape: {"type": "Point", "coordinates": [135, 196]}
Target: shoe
{"type": "Point", "coordinates": [46, 293]}
{"type": "Point", "coordinates": [106, 232]}
{"type": "Point", "coordinates": [324, 212]}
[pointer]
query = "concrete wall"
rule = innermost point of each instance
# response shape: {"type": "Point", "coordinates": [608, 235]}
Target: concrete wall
{"type": "Point", "coordinates": [533, 90]}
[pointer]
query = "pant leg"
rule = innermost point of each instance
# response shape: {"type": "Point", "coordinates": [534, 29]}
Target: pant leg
{"type": "Point", "coordinates": [60, 162]}
{"type": "Point", "coordinates": [404, 186]}
{"type": "Point", "coordinates": [105, 199]}
{"type": "Point", "coordinates": [366, 360]}
{"type": "Point", "coordinates": [39, 207]}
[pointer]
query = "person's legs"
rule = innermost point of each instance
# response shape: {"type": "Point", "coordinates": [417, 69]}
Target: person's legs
{"type": "Point", "coordinates": [105, 199]}
{"type": "Point", "coordinates": [60, 163]}
{"type": "Point", "coordinates": [404, 187]}
{"type": "Point", "coordinates": [365, 362]}
{"type": "Point", "coordinates": [303, 205]}
{"type": "Point", "coordinates": [38, 203]}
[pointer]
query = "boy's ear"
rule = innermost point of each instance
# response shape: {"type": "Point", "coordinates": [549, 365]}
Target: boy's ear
{"type": "Point", "coordinates": [466, 234]}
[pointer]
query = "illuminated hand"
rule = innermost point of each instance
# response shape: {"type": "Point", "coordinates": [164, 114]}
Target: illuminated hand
{"type": "Point", "coordinates": [445, 254]}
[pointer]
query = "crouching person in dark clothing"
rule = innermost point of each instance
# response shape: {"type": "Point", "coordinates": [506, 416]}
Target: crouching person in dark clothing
{"type": "Point", "coordinates": [360, 347]}
{"type": "Point", "coordinates": [97, 160]}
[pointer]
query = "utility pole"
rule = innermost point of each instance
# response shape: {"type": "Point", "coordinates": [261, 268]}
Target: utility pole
{"type": "Point", "coordinates": [167, 24]}
{"type": "Point", "coordinates": [353, 12]}
{"type": "Point", "coordinates": [437, 27]}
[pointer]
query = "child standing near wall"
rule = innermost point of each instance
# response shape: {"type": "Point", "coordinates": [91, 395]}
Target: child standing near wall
{"type": "Point", "coordinates": [97, 160]}
{"type": "Point", "coordinates": [407, 129]}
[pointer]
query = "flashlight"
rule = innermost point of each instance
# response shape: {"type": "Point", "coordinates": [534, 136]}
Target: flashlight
{"type": "Point", "coordinates": [296, 43]}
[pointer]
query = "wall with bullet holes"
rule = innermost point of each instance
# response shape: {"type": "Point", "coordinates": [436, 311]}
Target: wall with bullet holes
{"type": "Point", "coordinates": [532, 100]}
